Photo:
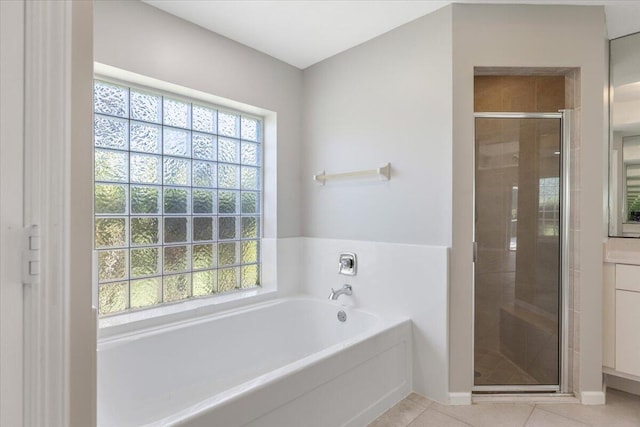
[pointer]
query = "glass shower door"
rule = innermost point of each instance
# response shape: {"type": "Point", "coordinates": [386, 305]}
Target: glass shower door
{"type": "Point", "coordinates": [517, 272]}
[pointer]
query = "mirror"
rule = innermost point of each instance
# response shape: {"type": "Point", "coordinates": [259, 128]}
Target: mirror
{"type": "Point", "coordinates": [624, 179]}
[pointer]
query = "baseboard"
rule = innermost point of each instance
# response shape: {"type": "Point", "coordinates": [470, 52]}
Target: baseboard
{"type": "Point", "coordinates": [592, 397]}
{"type": "Point", "coordinates": [623, 384]}
{"type": "Point", "coordinates": [463, 398]}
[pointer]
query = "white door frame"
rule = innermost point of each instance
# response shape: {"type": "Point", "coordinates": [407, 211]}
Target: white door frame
{"type": "Point", "coordinates": [55, 386]}
{"type": "Point", "coordinates": [11, 210]}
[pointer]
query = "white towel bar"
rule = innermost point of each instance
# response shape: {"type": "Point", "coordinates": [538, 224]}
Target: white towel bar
{"type": "Point", "coordinates": [383, 172]}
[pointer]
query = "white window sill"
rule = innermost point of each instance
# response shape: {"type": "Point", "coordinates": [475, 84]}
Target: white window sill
{"type": "Point", "coordinates": [154, 317]}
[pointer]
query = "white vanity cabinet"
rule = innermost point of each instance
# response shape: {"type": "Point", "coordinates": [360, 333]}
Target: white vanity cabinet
{"type": "Point", "coordinates": [628, 319]}
{"type": "Point", "coordinates": [628, 332]}
{"type": "Point", "coordinates": [621, 296]}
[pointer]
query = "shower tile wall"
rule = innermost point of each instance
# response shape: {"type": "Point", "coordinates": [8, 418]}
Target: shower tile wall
{"type": "Point", "coordinates": [502, 334]}
{"type": "Point", "coordinates": [572, 93]}
{"type": "Point", "coordinates": [519, 93]}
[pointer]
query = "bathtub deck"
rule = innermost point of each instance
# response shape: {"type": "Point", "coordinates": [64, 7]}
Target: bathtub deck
{"type": "Point", "coordinates": [622, 410]}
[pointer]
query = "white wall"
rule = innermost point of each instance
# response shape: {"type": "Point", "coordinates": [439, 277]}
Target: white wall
{"type": "Point", "coordinates": [393, 280]}
{"type": "Point", "coordinates": [387, 100]}
{"type": "Point", "coordinates": [136, 37]}
{"type": "Point", "coordinates": [530, 36]}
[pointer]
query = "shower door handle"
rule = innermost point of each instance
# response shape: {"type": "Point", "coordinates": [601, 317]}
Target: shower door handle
{"type": "Point", "coordinates": [475, 251]}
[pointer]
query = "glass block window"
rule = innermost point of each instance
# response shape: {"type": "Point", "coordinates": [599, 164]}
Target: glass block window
{"type": "Point", "coordinates": [177, 198]}
{"type": "Point", "coordinates": [549, 207]}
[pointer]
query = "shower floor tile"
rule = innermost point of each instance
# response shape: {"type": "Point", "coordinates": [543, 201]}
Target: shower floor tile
{"type": "Point", "coordinates": [493, 368]}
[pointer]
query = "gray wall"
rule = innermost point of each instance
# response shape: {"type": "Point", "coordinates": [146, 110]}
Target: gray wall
{"type": "Point", "coordinates": [139, 38]}
{"type": "Point", "coordinates": [530, 36]}
{"type": "Point", "coordinates": [387, 100]}
{"type": "Point", "coordinates": [82, 320]}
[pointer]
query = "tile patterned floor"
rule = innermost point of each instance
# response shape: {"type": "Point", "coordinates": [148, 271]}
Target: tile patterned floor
{"type": "Point", "coordinates": [622, 410]}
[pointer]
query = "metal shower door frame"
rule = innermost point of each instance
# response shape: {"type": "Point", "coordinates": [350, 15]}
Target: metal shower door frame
{"type": "Point", "coordinates": [565, 153]}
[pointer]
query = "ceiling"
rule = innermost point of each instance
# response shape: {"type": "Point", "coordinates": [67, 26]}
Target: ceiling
{"type": "Point", "coordinates": [304, 32]}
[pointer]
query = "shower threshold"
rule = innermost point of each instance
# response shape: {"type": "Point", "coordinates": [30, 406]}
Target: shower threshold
{"type": "Point", "coordinates": [530, 388]}
{"type": "Point", "coordinates": [530, 398]}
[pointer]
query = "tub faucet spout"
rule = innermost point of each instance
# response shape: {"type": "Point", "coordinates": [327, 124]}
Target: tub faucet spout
{"type": "Point", "coordinates": [345, 290]}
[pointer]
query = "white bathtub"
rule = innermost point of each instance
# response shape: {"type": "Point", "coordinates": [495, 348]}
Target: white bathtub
{"type": "Point", "coordinates": [284, 363]}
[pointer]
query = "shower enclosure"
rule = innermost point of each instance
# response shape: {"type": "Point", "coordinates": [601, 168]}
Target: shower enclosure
{"type": "Point", "coordinates": [521, 183]}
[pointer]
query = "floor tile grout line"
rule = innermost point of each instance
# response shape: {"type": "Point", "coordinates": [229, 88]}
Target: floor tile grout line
{"type": "Point", "coordinates": [568, 418]}
{"type": "Point", "coordinates": [419, 401]}
{"type": "Point", "coordinates": [452, 415]}
{"type": "Point", "coordinates": [441, 413]}
{"type": "Point", "coordinates": [530, 415]}
{"type": "Point", "coordinates": [417, 416]}
{"type": "Point", "coordinates": [418, 404]}
{"type": "Point", "coordinates": [532, 406]}
{"type": "Point", "coordinates": [424, 404]}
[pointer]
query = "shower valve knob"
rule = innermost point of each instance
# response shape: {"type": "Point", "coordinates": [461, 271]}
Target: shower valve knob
{"type": "Point", "coordinates": [347, 264]}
